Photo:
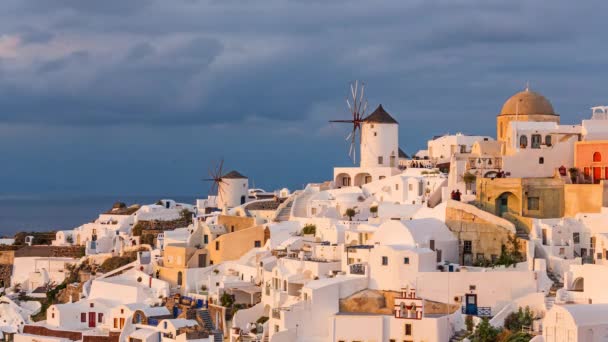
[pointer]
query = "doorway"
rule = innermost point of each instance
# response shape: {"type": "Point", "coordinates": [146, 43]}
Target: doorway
{"type": "Point", "coordinates": [91, 320]}
{"type": "Point", "coordinates": [471, 304]}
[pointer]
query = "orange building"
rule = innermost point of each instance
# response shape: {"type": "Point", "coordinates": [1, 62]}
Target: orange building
{"type": "Point", "coordinates": [591, 158]}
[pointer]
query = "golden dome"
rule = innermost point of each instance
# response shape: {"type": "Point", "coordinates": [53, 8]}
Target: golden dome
{"type": "Point", "coordinates": [527, 102]}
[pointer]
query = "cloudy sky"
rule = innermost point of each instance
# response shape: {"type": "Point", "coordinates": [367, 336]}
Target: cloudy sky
{"type": "Point", "coordinates": [140, 96]}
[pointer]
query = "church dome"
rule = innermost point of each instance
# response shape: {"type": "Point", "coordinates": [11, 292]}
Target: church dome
{"type": "Point", "coordinates": [527, 102]}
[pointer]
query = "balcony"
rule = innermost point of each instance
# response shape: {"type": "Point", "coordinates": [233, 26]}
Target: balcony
{"type": "Point", "coordinates": [481, 311]}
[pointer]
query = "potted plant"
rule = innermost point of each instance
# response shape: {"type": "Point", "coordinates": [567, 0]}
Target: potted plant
{"type": "Point", "coordinates": [374, 210]}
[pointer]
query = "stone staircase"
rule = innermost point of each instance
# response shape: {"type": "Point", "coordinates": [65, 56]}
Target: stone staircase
{"type": "Point", "coordinates": [557, 284]}
{"type": "Point", "coordinates": [203, 317]}
{"type": "Point", "coordinates": [459, 336]}
{"type": "Point", "coordinates": [284, 213]}
{"type": "Point", "coordinates": [522, 233]}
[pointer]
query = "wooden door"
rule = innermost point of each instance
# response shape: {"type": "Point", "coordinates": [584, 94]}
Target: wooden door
{"type": "Point", "coordinates": [92, 320]}
{"type": "Point", "coordinates": [597, 174]}
{"type": "Point", "coordinates": [122, 322]}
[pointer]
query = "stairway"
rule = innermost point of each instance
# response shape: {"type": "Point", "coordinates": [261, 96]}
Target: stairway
{"type": "Point", "coordinates": [522, 233]}
{"type": "Point", "coordinates": [549, 302]}
{"type": "Point", "coordinates": [557, 284]}
{"type": "Point", "coordinates": [285, 213]}
{"type": "Point", "coordinates": [203, 317]}
{"type": "Point", "coordinates": [459, 336]}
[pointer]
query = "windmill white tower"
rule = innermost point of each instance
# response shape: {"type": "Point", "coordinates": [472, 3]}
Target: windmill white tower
{"type": "Point", "coordinates": [231, 188]}
{"type": "Point", "coordinates": [379, 140]}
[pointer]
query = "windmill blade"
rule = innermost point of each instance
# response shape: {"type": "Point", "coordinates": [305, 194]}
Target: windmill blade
{"type": "Point", "coordinates": [344, 121]}
{"type": "Point", "coordinates": [348, 136]}
{"type": "Point", "coordinates": [348, 104]}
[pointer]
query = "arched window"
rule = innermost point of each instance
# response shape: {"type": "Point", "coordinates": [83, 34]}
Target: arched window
{"type": "Point", "coordinates": [523, 141]}
{"type": "Point", "coordinates": [597, 157]}
{"type": "Point", "coordinates": [179, 278]}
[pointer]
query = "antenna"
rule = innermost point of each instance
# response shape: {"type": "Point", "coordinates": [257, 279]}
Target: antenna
{"type": "Point", "coordinates": [357, 105]}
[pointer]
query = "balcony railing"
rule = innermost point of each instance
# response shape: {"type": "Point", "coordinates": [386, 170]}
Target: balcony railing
{"type": "Point", "coordinates": [480, 311]}
{"type": "Point", "coordinates": [357, 269]}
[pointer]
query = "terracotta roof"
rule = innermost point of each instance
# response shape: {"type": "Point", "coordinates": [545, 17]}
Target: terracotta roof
{"type": "Point", "coordinates": [380, 116]}
{"type": "Point", "coordinates": [234, 175]}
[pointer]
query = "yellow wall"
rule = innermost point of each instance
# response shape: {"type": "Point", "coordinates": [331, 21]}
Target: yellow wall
{"type": "Point", "coordinates": [585, 198]}
{"type": "Point", "coordinates": [177, 256]}
{"type": "Point", "coordinates": [235, 223]}
{"type": "Point", "coordinates": [232, 246]}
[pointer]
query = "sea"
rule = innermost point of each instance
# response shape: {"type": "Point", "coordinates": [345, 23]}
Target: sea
{"type": "Point", "coordinates": [45, 213]}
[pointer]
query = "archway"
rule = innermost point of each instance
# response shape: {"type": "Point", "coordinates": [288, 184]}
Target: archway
{"type": "Point", "coordinates": [578, 284]}
{"type": "Point", "coordinates": [507, 203]}
{"type": "Point", "coordinates": [343, 179]}
{"type": "Point", "coordinates": [362, 179]}
{"type": "Point", "coordinates": [179, 278]}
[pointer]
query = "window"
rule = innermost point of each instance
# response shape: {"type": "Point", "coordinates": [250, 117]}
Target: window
{"type": "Point", "coordinates": [91, 305]}
{"type": "Point", "coordinates": [533, 203]}
{"type": "Point", "coordinates": [53, 315]}
{"type": "Point", "coordinates": [232, 229]}
{"type": "Point", "coordinates": [480, 257]}
{"type": "Point", "coordinates": [380, 160]}
{"type": "Point", "coordinates": [467, 246]}
{"type": "Point", "coordinates": [576, 237]}
{"type": "Point", "coordinates": [406, 260]}
{"type": "Point", "coordinates": [396, 186]}
{"type": "Point", "coordinates": [548, 140]}
{"type": "Point", "coordinates": [523, 141]}
{"type": "Point", "coordinates": [536, 140]}
{"type": "Point", "coordinates": [384, 260]}
{"type": "Point", "coordinates": [408, 330]}
{"type": "Point", "coordinates": [257, 244]}
{"type": "Point", "coordinates": [381, 177]}
{"type": "Point", "coordinates": [217, 245]}
{"type": "Point", "coordinates": [375, 133]}
{"type": "Point", "coordinates": [122, 311]}
{"type": "Point", "coordinates": [313, 211]}
{"type": "Point", "coordinates": [541, 160]}
{"type": "Point", "coordinates": [83, 317]}
{"type": "Point", "coordinates": [597, 157]}
{"type": "Point", "coordinates": [206, 239]}
{"type": "Point", "coordinates": [410, 187]}
{"type": "Point", "coordinates": [99, 317]}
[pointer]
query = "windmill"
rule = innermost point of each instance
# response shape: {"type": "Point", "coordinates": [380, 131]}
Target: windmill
{"type": "Point", "coordinates": [215, 176]}
{"type": "Point", "coordinates": [357, 105]}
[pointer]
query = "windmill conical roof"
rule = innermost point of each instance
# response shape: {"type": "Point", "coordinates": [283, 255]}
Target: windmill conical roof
{"type": "Point", "coordinates": [380, 116]}
{"type": "Point", "coordinates": [234, 175]}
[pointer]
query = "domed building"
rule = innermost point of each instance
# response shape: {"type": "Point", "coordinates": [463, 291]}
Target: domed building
{"type": "Point", "coordinates": [526, 105]}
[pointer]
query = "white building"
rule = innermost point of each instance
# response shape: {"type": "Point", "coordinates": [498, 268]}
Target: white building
{"type": "Point", "coordinates": [577, 323]}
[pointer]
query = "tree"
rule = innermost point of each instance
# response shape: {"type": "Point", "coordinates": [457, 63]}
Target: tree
{"type": "Point", "coordinates": [522, 318]}
{"type": "Point", "coordinates": [485, 332]}
{"type": "Point", "coordinates": [226, 300]}
{"type": "Point", "coordinates": [350, 212]}
{"type": "Point", "coordinates": [374, 210]}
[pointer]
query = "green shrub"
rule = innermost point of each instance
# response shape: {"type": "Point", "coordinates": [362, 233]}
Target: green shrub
{"type": "Point", "coordinates": [522, 318]}
{"type": "Point", "coordinates": [262, 320]}
{"type": "Point", "coordinates": [309, 229]}
{"type": "Point", "coordinates": [485, 332]}
{"type": "Point", "coordinates": [226, 300]}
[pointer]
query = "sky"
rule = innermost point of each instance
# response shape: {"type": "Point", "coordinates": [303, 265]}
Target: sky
{"type": "Point", "coordinates": [144, 96]}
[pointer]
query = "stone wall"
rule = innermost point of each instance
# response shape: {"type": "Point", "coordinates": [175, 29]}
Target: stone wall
{"type": "Point", "coordinates": [5, 274]}
{"type": "Point", "coordinates": [486, 232]}
{"type": "Point", "coordinates": [7, 257]}
{"type": "Point", "coordinates": [51, 251]}
{"type": "Point", "coordinates": [44, 331]}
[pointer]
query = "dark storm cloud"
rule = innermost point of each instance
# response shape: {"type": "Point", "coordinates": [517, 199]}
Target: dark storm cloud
{"type": "Point", "coordinates": [159, 62]}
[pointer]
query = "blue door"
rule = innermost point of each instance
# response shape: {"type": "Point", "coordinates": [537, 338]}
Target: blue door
{"type": "Point", "coordinates": [471, 304]}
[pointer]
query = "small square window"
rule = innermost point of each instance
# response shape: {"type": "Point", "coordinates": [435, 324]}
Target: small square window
{"type": "Point", "coordinates": [533, 203]}
{"type": "Point", "coordinates": [406, 260]}
{"type": "Point", "coordinates": [380, 160]}
{"type": "Point", "coordinates": [541, 160]}
{"type": "Point", "coordinates": [384, 260]}
{"type": "Point", "coordinates": [257, 244]}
